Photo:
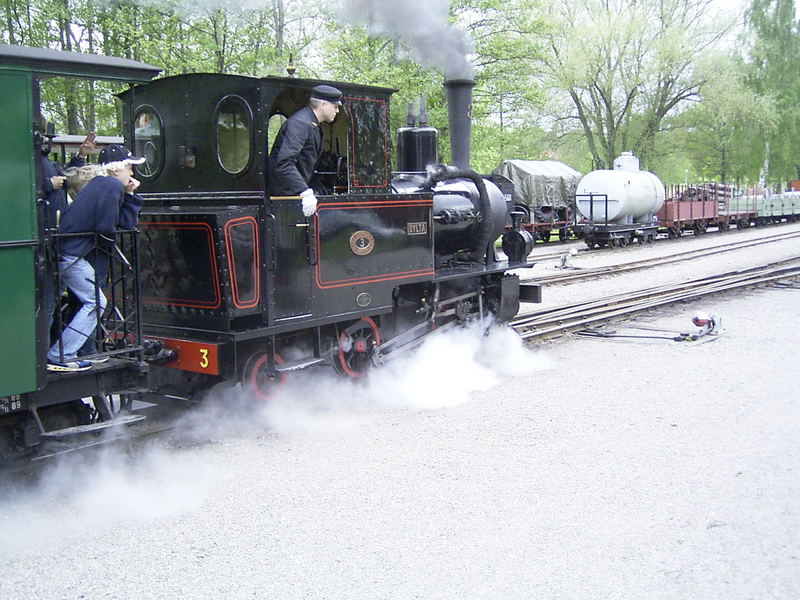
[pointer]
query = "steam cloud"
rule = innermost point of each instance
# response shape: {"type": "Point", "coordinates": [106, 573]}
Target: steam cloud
{"type": "Point", "coordinates": [423, 25]}
{"type": "Point", "coordinates": [163, 480]}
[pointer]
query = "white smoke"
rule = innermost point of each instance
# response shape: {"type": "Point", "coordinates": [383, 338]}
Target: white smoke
{"type": "Point", "coordinates": [76, 495]}
{"type": "Point", "coordinates": [442, 373]}
{"type": "Point", "coordinates": [422, 25]}
{"type": "Point", "coordinates": [176, 474]}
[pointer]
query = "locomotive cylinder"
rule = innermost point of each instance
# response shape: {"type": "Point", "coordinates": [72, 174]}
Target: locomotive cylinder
{"type": "Point", "coordinates": [622, 195]}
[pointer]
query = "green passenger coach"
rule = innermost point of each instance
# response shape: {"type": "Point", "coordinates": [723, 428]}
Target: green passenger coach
{"type": "Point", "coordinates": [23, 242]}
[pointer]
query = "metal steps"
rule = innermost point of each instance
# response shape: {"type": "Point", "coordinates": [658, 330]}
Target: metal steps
{"type": "Point", "coordinates": [60, 434]}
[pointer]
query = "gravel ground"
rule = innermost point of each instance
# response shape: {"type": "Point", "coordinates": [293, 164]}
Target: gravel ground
{"type": "Point", "coordinates": [583, 468]}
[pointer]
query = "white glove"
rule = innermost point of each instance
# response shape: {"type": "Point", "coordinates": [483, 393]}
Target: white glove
{"type": "Point", "coordinates": [309, 202]}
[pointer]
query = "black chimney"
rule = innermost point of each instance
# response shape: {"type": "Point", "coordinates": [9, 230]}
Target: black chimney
{"type": "Point", "coordinates": [459, 103]}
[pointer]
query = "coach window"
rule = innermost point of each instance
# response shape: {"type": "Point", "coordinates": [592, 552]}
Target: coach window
{"type": "Point", "coordinates": [234, 134]}
{"type": "Point", "coordinates": [149, 141]}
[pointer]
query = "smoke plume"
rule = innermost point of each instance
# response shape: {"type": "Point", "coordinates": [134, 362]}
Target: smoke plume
{"type": "Point", "coordinates": [423, 26]}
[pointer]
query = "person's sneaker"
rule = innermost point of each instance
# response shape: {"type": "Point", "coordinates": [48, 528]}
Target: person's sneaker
{"type": "Point", "coordinates": [68, 367]}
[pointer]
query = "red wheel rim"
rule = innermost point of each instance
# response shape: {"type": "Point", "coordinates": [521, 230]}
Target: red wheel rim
{"type": "Point", "coordinates": [263, 393]}
{"type": "Point", "coordinates": [343, 363]}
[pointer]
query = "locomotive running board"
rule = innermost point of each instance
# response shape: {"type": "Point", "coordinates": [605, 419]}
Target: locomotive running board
{"type": "Point", "coordinates": [301, 363]}
{"type": "Point", "coordinates": [91, 428]}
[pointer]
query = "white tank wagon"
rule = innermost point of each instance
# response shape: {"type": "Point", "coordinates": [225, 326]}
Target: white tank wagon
{"type": "Point", "coordinates": [619, 205]}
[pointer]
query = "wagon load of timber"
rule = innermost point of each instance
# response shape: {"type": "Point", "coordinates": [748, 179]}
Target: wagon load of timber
{"type": "Point", "coordinates": [540, 183]}
{"type": "Point", "coordinates": [704, 191]}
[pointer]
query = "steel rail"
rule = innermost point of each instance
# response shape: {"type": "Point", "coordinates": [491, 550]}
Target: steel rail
{"type": "Point", "coordinates": [664, 260]}
{"type": "Point", "coordinates": [571, 317]}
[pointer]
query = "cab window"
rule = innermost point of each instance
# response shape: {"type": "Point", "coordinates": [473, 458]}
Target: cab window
{"type": "Point", "coordinates": [234, 134]}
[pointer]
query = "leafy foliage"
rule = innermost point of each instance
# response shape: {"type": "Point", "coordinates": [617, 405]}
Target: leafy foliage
{"type": "Point", "coordinates": [572, 80]}
{"type": "Point", "coordinates": [773, 72]}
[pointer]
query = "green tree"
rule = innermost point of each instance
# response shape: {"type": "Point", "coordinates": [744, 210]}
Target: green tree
{"type": "Point", "coordinates": [414, 47]}
{"type": "Point", "coordinates": [625, 65]}
{"type": "Point", "coordinates": [775, 54]}
{"type": "Point", "coordinates": [723, 133]}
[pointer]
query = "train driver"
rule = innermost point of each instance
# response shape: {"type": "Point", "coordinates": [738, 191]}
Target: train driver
{"type": "Point", "coordinates": [298, 146]}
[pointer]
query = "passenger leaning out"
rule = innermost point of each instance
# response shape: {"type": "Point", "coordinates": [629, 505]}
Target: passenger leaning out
{"type": "Point", "coordinates": [97, 212]}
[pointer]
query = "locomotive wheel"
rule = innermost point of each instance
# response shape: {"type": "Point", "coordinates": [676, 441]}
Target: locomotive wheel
{"type": "Point", "coordinates": [623, 241]}
{"type": "Point", "coordinates": [356, 346]}
{"type": "Point", "coordinates": [257, 380]}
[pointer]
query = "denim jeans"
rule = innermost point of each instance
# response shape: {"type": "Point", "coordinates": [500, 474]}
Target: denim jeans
{"type": "Point", "coordinates": [78, 275]}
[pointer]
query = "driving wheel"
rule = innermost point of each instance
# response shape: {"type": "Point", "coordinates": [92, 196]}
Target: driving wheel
{"type": "Point", "coordinates": [356, 348]}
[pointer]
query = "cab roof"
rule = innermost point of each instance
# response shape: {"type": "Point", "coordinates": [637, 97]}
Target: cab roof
{"type": "Point", "coordinates": [60, 62]}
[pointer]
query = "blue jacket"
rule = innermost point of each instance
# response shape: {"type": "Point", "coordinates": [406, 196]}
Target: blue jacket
{"type": "Point", "coordinates": [102, 207]}
{"type": "Point", "coordinates": [55, 199]}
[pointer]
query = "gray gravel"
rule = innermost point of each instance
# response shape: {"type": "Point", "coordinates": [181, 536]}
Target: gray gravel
{"type": "Point", "coordinates": [584, 468]}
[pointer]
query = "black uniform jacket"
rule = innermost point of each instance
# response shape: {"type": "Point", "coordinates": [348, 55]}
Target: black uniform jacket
{"type": "Point", "coordinates": [55, 199]}
{"type": "Point", "coordinates": [295, 153]}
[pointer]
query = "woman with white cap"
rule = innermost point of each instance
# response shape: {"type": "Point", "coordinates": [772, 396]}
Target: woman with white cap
{"type": "Point", "coordinates": [97, 210]}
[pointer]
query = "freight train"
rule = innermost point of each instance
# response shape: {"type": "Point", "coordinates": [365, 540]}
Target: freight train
{"type": "Point", "coordinates": [222, 283]}
{"type": "Point", "coordinates": [626, 205]}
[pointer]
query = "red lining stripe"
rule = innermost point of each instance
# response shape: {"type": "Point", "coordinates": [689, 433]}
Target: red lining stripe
{"type": "Point", "coordinates": [373, 278]}
{"type": "Point", "coordinates": [189, 225]}
{"type": "Point", "coordinates": [256, 261]}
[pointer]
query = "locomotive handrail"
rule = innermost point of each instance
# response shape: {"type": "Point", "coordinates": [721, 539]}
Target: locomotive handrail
{"type": "Point", "coordinates": [120, 324]}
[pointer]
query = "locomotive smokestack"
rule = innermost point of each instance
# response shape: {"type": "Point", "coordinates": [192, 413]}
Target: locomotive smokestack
{"type": "Point", "coordinates": [459, 103]}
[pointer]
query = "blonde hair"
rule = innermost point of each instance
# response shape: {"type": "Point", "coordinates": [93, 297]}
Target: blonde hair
{"type": "Point", "coordinates": [80, 176]}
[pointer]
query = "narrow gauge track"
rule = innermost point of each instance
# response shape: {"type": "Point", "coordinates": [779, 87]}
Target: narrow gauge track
{"type": "Point", "coordinates": [580, 248]}
{"type": "Point", "coordinates": [559, 320]}
{"type": "Point", "coordinates": [539, 325]}
{"type": "Point", "coordinates": [125, 436]}
{"type": "Point", "coordinates": [663, 260]}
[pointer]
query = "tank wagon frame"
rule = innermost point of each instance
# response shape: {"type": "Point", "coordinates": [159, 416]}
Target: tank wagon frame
{"type": "Point", "coordinates": [602, 233]}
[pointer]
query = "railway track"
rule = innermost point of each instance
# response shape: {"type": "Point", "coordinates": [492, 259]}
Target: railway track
{"type": "Point", "coordinates": [577, 275]}
{"type": "Point", "coordinates": [123, 435]}
{"type": "Point", "coordinates": [553, 322]}
{"type": "Point", "coordinates": [539, 325]}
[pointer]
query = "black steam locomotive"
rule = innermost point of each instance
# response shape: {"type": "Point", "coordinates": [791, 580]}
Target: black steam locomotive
{"type": "Point", "coordinates": [224, 283]}
{"type": "Point", "coordinates": [240, 286]}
